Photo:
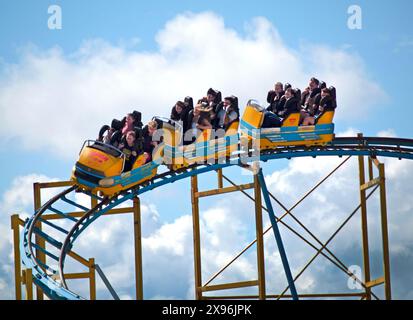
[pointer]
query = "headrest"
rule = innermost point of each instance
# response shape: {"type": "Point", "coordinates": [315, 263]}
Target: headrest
{"type": "Point", "coordinates": [297, 93]}
{"type": "Point", "coordinates": [234, 101]}
{"type": "Point", "coordinates": [189, 102]}
{"type": "Point", "coordinates": [270, 96]}
{"type": "Point", "coordinates": [158, 121]}
{"type": "Point", "coordinates": [117, 124]}
{"type": "Point", "coordinates": [333, 95]}
{"type": "Point", "coordinates": [102, 131]}
{"type": "Point", "coordinates": [137, 115]}
{"type": "Point", "coordinates": [322, 85]}
{"type": "Point", "coordinates": [332, 92]}
{"type": "Point", "coordinates": [138, 132]}
{"type": "Point", "coordinates": [138, 118]}
{"type": "Point", "coordinates": [217, 94]}
{"type": "Point", "coordinates": [313, 79]}
{"type": "Point", "coordinates": [212, 91]}
{"type": "Point", "coordinates": [218, 98]}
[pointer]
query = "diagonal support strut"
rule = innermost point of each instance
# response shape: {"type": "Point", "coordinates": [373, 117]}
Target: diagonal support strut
{"type": "Point", "coordinates": [277, 235]}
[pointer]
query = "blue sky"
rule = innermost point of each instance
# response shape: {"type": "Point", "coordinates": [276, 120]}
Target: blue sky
{"type": "Point", "coordinates": [382, 50]}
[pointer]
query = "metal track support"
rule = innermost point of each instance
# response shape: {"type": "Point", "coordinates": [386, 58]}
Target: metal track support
{"type": "Point", "coordinates": [277, 235]}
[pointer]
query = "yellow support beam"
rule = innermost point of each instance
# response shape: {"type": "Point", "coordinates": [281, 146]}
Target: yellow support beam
{"type": "Point", "coordinates": [92, 279]}
{"type": "Point", "coordinates": [375, 282]}
{"type": "Point", "coordinates": [287, 296]}
{"type": "Point", "coordinates": [138, 248]}
{"type": "Point", "coordinates": [78, 258]}
{"type": "Point", "coordinates": [364, 226]}
{"type": "Point", "coordinates": [370, 162]}
{"type": "Point", "coordinates": [79, 214]}
{"type": "Point", "coordinates": [232, 285]}
{"type": "Point", "coordinates": [76, 275]}
{"type": "Point", "coordinates": [28, 281]}
{"type": "Point", "coordinates": [93, 201]}
{"type": "Point", "coordinates": [376, 162]}
{"type": "Point", "coordinates": [16, 249]}
{"type": "Point", "coordinates": [220, 180]}
{"type": "Point", "coordinates": [224, 190]}
{"type": "Point", "coordinates": [370, 184]}
{"type": "Point", "coordinates": [58, 184]}
{"type": "Point", "coordinates": [196, 237]}
{"type": "Point", "coordinates": [385, 234]}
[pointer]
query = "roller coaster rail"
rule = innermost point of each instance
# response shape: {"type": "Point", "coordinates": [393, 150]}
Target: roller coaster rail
{"type": "Point", "coordinates": [52, 280]}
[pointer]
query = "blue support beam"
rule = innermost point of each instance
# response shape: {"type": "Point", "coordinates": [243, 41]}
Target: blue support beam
{"type": "Point", "coordinates": [277, 235]}
{"type": "Point", "coordinates": [106, 282]}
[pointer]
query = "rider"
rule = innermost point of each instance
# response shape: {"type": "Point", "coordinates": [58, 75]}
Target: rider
{"type": "Point", "coordinates": [149, 143]}
{"type": "Point", "coordinates": [130, 150]}
{"type": "Point", "coordinates": [276, 98]}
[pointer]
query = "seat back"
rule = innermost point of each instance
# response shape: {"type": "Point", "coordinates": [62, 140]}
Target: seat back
{"type": "Point", "coordinates": [292, 120]}
{"type": "Point", "coordinates": [322, 85]}
{"type": "Point", "coordinates": [189, 102]}
{"type": "Point", "coordinates": [118, 124]}
{"type": "Point", "coordinates": [232, 127]}
{"type": "Point", "coordinates": [253, 114]}
{"type": "Point", "coordinates": [325, 118]}
{"type": "Point", "coordinates": [270, 96]}
{"type": "Point", "coordinates": [333, 95]}
{"type": "Point", "coordinates": [138, 118]}
{"type": "Point", "coordinates": [172, 132]}
{"type": "Point", "coordinates": [297, 95]}
{"type": "Point", "coordinates": [234, 104]}
{"type": "Point", "coordinates": [216, 93]}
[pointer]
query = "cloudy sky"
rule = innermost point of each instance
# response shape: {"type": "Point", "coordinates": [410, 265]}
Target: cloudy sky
{"type": "Point", "coordinates": [57, 87]}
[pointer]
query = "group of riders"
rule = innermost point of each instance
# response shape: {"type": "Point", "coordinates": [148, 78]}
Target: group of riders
{"type": "Point", "coordinates": [311, 103]}
{"type": "Point", "coordinates": [212, 112]}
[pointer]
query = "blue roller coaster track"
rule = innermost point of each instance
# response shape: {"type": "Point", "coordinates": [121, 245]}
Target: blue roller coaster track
{"type": "Point", "coordinates": [44, 276]}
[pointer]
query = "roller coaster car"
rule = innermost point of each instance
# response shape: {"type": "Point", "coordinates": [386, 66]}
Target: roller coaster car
{"type": "Point", "coordinates": [289, 134]}
{"type": "Point", "coordinates": [209, 146]}
{"type": "Point", "coordinates": [100, 168]}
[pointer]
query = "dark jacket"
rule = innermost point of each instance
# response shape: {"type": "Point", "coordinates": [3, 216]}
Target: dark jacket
{"type": "Point", "coordinates": [291, 106]}
{"type": "Point", "coordinates": [308, 99]}
{"type": "Point", "coordinates": [326, 104]}
{"type": "Point", "coordinates": [147, 141]}
{"type": "Point", "coordinates": [202, 116]}
{"type": "Point", "coordinates": [276, 101]}
{"type": "Point", "coordinates": [183, 116]}
{"type": "Point", "coordinates": [131, 153]}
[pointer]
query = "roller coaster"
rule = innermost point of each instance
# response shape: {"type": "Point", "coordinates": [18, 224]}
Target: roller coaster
{"type": "Point", "coordinates": [317, 141]}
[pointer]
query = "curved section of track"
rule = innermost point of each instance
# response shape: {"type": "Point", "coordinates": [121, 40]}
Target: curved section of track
{"type": "Point", "coordinates": [52, 280]}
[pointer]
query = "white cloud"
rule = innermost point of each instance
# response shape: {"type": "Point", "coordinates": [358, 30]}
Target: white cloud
{"type": "Point", "coordinates": [390, 133]}
{"type": "Point", "coordinates": [19, 195]}
{"type": "Point", "coordinates": [170, 237]}
{"type": "Point", "coordinates": [18, 199]}
{"type": "Point", "coordinates": [404, 44]}
{"type": "Point", "coordinates": [63, 98]}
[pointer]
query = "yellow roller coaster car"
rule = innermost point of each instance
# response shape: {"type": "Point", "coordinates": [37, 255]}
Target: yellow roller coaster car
{"type": "Point", "coordinates": [289, 134]}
